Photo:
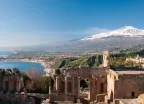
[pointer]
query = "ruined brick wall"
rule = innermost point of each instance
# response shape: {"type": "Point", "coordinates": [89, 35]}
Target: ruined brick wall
{"type": "Point", "coordinates": [12, 97]}
{"type": "Point", "coordinates": [10, 83]}
{"type": "Point", "coordinates": [101, 82]}
{"type": "Point", "coordinates": [62, 97]}
{"type": "Point", "coordinates": [129, 86]}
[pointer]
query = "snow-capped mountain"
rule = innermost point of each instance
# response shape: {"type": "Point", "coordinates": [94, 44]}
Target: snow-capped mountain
{"type": "Point", "coordinates": [123, 38]}
{"type": "Point", "coordinates": [126, 31]}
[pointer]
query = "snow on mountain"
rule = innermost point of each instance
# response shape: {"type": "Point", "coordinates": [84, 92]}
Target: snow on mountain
{"type": "Point", "coordinates": [126, 31]}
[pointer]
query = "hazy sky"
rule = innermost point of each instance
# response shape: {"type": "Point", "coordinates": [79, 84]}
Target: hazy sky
{"type": "Point", "coordinates": [28, 22]}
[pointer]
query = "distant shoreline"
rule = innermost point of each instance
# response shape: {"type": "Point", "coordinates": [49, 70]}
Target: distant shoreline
{"type": "Point", "coordinates": [28, 61]}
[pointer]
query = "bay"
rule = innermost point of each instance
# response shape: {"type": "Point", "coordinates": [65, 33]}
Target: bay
{"type": "Point", "coordinates": [21, 65]}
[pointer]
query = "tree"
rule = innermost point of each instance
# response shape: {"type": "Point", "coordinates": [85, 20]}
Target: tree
{"type": "Point", "coordinates": [33, 73]}
{"type": "Point", "coordinates": [44, 84]}
{"type": "Point", "coordinates": [30, 86]}
{"type": "Point", "coordinates": [25, 78]}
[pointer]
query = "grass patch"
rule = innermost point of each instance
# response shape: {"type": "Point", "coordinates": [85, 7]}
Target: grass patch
{"type": "Point", "coordinates": [142, 96]}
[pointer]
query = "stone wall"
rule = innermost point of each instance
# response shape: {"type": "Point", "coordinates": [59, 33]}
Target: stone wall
{"type": "Point", "coordinates": [12, 97]}
{"type": "Point", "coordinates": [129, 86]}
{"type": "Point", "coordinates": [10, 83]}
{"type": "Point", "coordinates": [101, 85]}
{"type": "Point", "coordinates": [62, 97]}
{"type": "Point", "coordinates": [111, 75]}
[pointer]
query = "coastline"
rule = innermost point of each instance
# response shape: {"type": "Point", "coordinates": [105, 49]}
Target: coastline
{"type": "Point", "coordinates": [28, 61]}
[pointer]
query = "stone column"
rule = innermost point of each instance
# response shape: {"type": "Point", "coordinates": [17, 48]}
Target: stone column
{"type": "Point", "coordinates": [25, 93]}
{"type": "Point", "coordinates": [57, 84]}
{"type": "Point", "coordinates": [10, 83]}
{"type": "Point", "coordinates": [78, 79]}
{"type": "Point", "coordinates": [66, 86]}
{"type": "Point", "coordinates": [50, 90]}
{"type": "Point", "coordinates": [91, 91]}
{"type": "Point", "coordinates": [73, 86]}
{"type": "Point", "coordinates": [18, 85]}
{"type": "Point", "coordinates": [106, 58]}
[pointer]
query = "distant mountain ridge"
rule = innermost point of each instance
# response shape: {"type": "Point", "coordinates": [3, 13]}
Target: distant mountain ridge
{"type": "Point", "coordinates": [119, 39]}
{"type": "Point", "coordinates": [126, 31]}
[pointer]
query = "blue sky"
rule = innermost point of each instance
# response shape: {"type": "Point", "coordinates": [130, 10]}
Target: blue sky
{"type": "Point", "coordinates": [31, 22]}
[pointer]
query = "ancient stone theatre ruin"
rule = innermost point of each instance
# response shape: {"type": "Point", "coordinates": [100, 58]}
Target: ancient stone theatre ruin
{"type": "Point", "coordinates": [106, 85]}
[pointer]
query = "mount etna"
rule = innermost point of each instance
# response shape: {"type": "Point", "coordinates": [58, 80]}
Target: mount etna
{"type": "Point", "coordinates": [125, 37]}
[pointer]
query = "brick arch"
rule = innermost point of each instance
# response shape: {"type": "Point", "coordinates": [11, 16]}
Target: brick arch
{"type": "Point", "coordinates": [74, 75]}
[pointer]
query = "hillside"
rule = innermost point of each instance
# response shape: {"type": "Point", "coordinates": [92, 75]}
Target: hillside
{"type": "Point", "coordinates": [116, 61]}
{"type": "Point", "coordinates": [88, 61]}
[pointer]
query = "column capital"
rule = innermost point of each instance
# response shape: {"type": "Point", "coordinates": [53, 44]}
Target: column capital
{"type": "Point", "coordinates": [78, 77]}
{"type": "Point", "coordinates": [66, 90]}
{"type": "Point", "coordinates": [66, 78]}
{"type": "Point", "coordinates": [57, 77]}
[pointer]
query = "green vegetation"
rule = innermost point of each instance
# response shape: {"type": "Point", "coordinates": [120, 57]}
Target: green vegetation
{"type": "Point", "coordinates": [119, 61]}
{"type": "Point", "coordinates": [33, 79]}
{"type": "Point", "coordinates": [116, 61]}
{"type": "Point", "coordinates": [35, 82]}
{"type": "Point", "coordinates": [58, 72]}
{"type": "Point", "coordinates": [39, 85]}
{"type": "Point", "coordinates": [92, 61]}
{"type": "Point", "coordinates": [142, 96]}
{"type": "Point", "coordinates": [84, 83]}
{"type": "Point", "coordinates": [42, 84]}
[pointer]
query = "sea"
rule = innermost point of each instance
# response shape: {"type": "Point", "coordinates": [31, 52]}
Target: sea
{"type": "Point", "coordinates": [5, 53]}
{"type": "Point", "coordinates": [22, 66]}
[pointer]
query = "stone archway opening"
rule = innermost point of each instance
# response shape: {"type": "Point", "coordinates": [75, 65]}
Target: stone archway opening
{"type": "Point", "coordinates": [133, 94]}
{"type": "Point", "coordinates": [69, 87]}
{"type": "Point", "coordinates": [6, 86]}
{"type": "Point", "coordinates": [101, 87]}
{"type": "Point", "coordinates": [62, 87]}
{"type": "Point", "coordinates": [111, 97]}
{"type": "Point", "coordinates": [14, 85]}
{"type": "Point", "coordinates": [84, 88]}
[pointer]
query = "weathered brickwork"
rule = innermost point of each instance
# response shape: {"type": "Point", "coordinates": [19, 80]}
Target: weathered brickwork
{"type": "Point", "coordinates": [129, 86]}
{"type": "Point", "coordinates": [11, 85]}
{"type": "Point", "coordinates": [10, 80]}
